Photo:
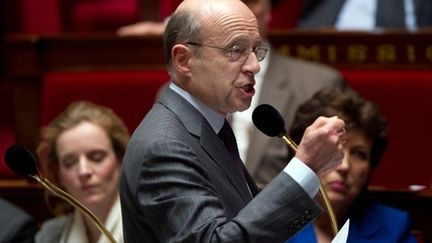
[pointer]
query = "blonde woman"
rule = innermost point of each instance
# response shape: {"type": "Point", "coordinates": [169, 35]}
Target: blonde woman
{"type": "Point", "coordinates": [81, 151]}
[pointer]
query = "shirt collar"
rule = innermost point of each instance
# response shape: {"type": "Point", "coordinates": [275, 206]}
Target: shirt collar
{"type": "Point", "coordinates": [215, 119]}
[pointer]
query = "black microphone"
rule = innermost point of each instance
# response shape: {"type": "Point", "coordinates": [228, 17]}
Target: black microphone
{"type": "Point", "coordinates": [270, 122]}
{"type": "Point", "coordinates": [21, 161]}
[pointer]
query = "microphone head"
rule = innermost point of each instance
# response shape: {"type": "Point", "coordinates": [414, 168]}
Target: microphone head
{"type": "Point", "coordinates": [21, 161]}
{"type": "Point", "coordinates": [268, 120]}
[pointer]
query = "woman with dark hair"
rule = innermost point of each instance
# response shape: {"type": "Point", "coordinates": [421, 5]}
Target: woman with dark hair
{"type": "Point", "coordinates": [366, 141]}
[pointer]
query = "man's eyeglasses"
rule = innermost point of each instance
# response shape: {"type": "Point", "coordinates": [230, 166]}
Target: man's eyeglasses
{"type": "Point", "coordinates": [239, 52]}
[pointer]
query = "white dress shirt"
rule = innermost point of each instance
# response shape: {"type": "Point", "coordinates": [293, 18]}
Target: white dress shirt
{"type": "Point", "coordinates": [76, 231]}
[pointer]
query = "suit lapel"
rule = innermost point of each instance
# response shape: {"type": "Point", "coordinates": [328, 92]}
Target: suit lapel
{"type": "Point", "coordinates": [198, 126]}
{"type": "Point", "coordinates": [215, 148]}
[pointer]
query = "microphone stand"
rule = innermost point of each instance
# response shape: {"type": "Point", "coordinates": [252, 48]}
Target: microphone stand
{"type": "Point", "coordinates": [60, 193]}
{"type": "Point", "coordinates": [323, 193]}
{"type": "Point", "coordinates": [20, 160]}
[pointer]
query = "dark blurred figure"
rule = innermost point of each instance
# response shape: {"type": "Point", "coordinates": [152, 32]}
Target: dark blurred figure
{"type": "Point", "coordinates": [16, 225]}
{"type": "Point", "coordinates": [366, 14]}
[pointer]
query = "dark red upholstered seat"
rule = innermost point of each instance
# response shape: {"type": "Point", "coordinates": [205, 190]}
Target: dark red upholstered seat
{"type": "Point", "coordinates": [7, 133]}
{"type": "Point", "coordinates": [129, 93]}
{"type": "Point", "coordinates": [7, 138]}
{"type": "Point", "coordinates": [39, 16]}
{"type": "Point", "coordinates": [50, 16]}
{"type": "Point", "coordinates": [106, 15]}
{"type": "Point", "coordinates": [285, 14]}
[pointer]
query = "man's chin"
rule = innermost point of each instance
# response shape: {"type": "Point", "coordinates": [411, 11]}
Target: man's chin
{"type": "Point", "coordinates": [243, 107]}
{"type": "Point", "coordinates": [245, 103]}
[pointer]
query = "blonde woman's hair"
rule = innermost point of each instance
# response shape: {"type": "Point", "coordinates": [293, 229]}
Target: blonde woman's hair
{"type": "Point", "coordinates": [76, 113]}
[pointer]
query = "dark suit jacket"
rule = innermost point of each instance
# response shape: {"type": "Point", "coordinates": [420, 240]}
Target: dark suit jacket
{"type": "Point", "coordinates": [390, 13]}
{"type": "Point", "coordinates": [16, 225]}
{"type": "Point", "coordinates": [288, 83]}
{"type": "Point", "coordinates": [378, 223]}
{"type": "Point", "coordinates": [179, 184]}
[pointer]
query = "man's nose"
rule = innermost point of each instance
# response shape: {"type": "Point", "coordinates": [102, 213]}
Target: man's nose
{"type": "Point", "coordinates": [251, 64]}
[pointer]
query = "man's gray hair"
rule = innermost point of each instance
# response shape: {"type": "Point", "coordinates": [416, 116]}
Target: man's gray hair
{"type": "Point", "coordinates": [183, 26]}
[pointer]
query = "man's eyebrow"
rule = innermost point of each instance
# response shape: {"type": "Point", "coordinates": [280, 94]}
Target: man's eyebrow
{"type": "Point", "coordinates": [244, 41]}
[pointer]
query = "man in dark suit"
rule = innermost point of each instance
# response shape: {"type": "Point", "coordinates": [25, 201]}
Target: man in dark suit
{"type": "Point", "coordinates": [180, 181]}
{"type": "Point", "coordinates": [16, 225]}
{"type": "Point", "coordinates": [284, 83]}
{"type": "Point", "coordinates": [384, 13]}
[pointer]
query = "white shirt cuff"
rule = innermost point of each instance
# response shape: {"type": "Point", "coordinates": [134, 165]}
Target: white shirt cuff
{"type": "Point", "coordinates": [303, 175]}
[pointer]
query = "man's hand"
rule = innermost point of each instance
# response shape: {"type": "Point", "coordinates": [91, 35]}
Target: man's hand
{"type": "Point", "coordinates": [321, 145]}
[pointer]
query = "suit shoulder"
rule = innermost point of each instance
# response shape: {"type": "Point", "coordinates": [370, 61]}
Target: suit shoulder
{"type": "Point", "coordinates": [385, 211]}
{"type": "Point", "coordinates": [10, 211]}
{"type": "Point", "coordinates": [17, 225]}
{"type": "Point", "coordinates": [52, 229]}
{"type": "Point", "coordinates": [158, 122]}
{"type": "Point", "coordinates": [377, 214]}
{"type": "Point", "coordinates": [373, 222]}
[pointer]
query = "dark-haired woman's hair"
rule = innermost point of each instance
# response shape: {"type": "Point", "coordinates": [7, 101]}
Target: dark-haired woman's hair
{"type": "Point", "coordinates": [355, 110]}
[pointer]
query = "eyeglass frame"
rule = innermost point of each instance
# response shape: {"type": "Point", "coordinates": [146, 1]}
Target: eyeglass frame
{"type": "Point", "coordinates": [243, 56]}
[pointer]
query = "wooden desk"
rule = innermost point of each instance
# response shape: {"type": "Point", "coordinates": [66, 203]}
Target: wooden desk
{"type": "Point", "coordinates": [30, 57]}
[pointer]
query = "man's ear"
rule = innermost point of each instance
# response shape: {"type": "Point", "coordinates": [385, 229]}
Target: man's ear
{"type": "Point", "coordinates": [180, 59]}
